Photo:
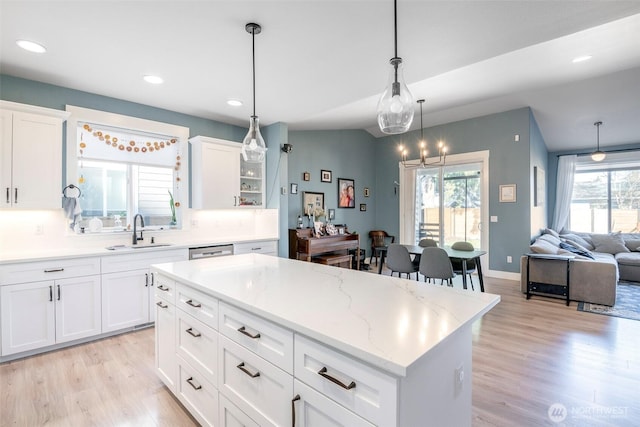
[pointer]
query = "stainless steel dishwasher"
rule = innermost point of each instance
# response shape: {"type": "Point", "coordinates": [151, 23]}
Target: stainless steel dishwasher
{"type": "Point", "coordinates": [210, 251]}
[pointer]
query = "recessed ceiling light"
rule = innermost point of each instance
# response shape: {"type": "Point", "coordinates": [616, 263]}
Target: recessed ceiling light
{"type": "Point", "coordinates": [581, 58]}
{"type": "Point", "coordinates": [153, 79]}
{"type": "Point", "coordinates": [234, 102]}
{"type": "Point", "coordinates": [31, 46]}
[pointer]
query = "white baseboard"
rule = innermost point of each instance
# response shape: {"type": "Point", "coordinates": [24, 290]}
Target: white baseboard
{"type": "Point", "coordinates": [507, 275]}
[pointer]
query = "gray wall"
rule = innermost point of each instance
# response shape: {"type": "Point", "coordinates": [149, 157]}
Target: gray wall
{"type": "Point", "coordinates": [347, 154]}
{"type": "Point", "coordinates": [540, 218]}
{"type": "Point", "coordinates": [509, 163]}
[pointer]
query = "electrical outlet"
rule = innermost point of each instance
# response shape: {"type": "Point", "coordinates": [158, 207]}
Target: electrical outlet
{"type": "Point", "coordinates": [39, 229]}
{"type": "Point", "coordinates": [516, 138]}
{"type": "Point", "coordinates": [458, 378]}
{"type": "Point", "coordinates": [494, 218]}
{"type": "Point", "coordinates": [509, 259]}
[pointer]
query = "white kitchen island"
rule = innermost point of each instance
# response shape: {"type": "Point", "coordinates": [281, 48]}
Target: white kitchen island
{"type": "Point", "coordinates": [260, 340]}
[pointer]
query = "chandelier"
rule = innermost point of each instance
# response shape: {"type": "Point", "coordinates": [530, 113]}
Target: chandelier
{"type": "Point", "coordinates": [422, 143]}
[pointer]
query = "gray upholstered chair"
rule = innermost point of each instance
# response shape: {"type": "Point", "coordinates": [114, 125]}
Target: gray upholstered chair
{"type": "Point", "coordinates": [427, 243]}
{"type": "Point", "coordinates": [399, 260]}
{"type": "Point", "coordinates": [457, 263]}
{"type": "Point", "coordinates": [435, 264]}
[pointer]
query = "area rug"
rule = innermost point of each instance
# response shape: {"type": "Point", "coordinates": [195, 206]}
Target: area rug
{"type": "Point", "coordinates": [627, 303]}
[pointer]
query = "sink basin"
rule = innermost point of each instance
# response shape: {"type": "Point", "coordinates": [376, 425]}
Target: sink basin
{"type": "Point", "coordinates": [151, 245]}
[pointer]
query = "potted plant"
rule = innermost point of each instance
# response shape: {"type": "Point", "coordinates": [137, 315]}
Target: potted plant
{"type": "Point", "coordinates": [174, 221]}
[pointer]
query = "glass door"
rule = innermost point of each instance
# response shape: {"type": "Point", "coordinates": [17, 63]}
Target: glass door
{"type": "Point", "coordinates": [461, 206]}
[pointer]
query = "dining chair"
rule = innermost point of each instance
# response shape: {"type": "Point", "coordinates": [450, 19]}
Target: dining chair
{"type": "Point", "coordinates": [379, 238]}
{"type": "Point", "coordinates": [427, 243]}
{"type": "Point", "coordinates": [457, 263]}
{"type": "Point", "coordinates": [435, 264]}
{"type": "Point", "coordinates": [399, 260]}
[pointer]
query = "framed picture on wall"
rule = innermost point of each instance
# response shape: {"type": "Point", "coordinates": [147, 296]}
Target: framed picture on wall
{"type": "Point", "coordinates": [306, 176]}
{"type": "Point", "coordinates": [312, 202]}
{"type": "Point", "coordinates": [363, 207]}
{"type": "Point", "coordinates": [346, 193]}
{"type": "Point", "coordinates": [366, 191]}
{"type": "Point", "coordinates": [294, 188]}
{"type": "Point", "coordinates": [325, 176]}
{"type": "Point", "coordinates": [508, 193]}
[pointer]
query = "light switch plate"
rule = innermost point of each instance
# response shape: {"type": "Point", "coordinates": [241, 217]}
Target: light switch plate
{"type": "Point", "coordinates": [494, 218]}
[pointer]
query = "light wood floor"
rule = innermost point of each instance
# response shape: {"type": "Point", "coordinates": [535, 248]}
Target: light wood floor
{"type": "Point", "coordinates": [528, 355]}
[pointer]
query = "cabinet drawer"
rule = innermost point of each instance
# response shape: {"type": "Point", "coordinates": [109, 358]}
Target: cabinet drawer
{"type": "Point", "coordinates": [315, 410]}
{"type": "Point", "coordinates": [202, 307]}
{"type": "Point", "coordinates": [136, 260]}
{"type": "Point", "coordinates": [197, 394]}
{"type": "Point", "coordinates": [372, 394]}
{"type": "Point", "coordinates": [269, 247]}
{"type": "Point", "coordinates": [198, 345]}
{"type": "Point", "coordinates": [269, 341]}
{"type": "Point", "coordinates": [256, 386]}
{"type": "Point", "coordinates": [48, 270]}
{"type": "Point", "coordinates": [231, 416]}
{"type": "Point", "coordinates": [165, 288]}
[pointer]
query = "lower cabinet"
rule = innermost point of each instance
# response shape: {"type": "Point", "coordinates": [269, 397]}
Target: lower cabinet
{"type": "Point", "coordinates": [231, 416]}
{"type": "Point", "coordinates": [197, 394]}
{"type": "Point", "coordinates": [165, 358]}
{"type": "Point", "coordinates": [125, 299]}
{"type": "Point", "coordinates": [41, 314]}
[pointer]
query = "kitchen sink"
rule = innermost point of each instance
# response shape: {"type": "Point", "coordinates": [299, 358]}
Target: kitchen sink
{"type": "Point", "coordinates": [151, 245]}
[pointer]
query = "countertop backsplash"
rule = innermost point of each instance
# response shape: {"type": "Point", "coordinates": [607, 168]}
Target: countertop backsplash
{"type": "Point", "coordinates": [36, 232]}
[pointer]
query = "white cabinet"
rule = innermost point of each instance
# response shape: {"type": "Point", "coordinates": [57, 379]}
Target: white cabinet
{"type": "Point", "coordinates": [36, 314]}
{"type": "Point", "coordinates": [128, 287]}
{"type": "Point", "coordinates": [30, 156]}
{"type": "Point", "coordinates": [266, 247]}
{"type": "Point", "coordinates": [165, 308]}
{"type": "Point", "coordinates": [215, 173]}
{"type": "Point", "coordinates": [221, 179]}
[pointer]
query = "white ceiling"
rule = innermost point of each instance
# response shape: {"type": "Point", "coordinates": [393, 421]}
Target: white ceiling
{"type": "Point", "coordinates": [322, 64]}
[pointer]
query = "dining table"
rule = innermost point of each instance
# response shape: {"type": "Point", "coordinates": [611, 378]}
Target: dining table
{"type": "Point", "coordinates": [463, 256]}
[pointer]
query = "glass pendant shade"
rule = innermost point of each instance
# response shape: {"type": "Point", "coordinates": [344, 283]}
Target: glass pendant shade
{"type": "Point", "coordinates": [598, 156]}
{"type": "Point", "coordinates": [253, 146]}
{"type": "Point", "coordinates": [395, 108]}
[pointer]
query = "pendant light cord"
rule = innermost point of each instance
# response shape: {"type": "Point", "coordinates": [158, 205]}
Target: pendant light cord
{"type": "Point", "coordinates": [395, 27]}
{"type": "Point", "coordinates": [253, 55]}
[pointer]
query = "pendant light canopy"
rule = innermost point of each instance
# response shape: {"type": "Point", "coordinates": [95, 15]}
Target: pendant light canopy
{"type": "Point", "coordinates": [253, 146]}
{"type": "Point", "coordinates": [598, 156]}
{"type": "Point", "coordinates": [424, 152]}
{"type": "Point", "coordinates": [395, 108]}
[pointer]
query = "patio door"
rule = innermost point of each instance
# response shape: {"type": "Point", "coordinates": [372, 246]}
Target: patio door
{"type": "Point", "coordinates": [445, 203]}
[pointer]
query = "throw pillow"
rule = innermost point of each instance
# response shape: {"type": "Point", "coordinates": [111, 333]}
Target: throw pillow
{"type": "Point", "coordinates": [578, 239]}
{"type": "Point", "coordinates": [632, 244]}
{"type": "Point", "coordinates": [543, 247]}
{"type": "Point", "coordinates": [609, 243]}
{"type": "Point", "coordinates": [551, 231]}
{"type": "Point", "coordinates": [551, 239]}
{"type": "Point", "coordinates": [576, 250]}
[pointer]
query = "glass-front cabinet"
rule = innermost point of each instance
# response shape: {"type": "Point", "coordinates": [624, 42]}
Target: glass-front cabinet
{"type": "Point", "coordinates": [251, 183]}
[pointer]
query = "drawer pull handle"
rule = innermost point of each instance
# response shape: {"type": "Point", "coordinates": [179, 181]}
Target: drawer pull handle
{"type": "Point", "coordinates": [54, 270]}
{"type": "Point", "coordinates": [293, 410]}
{"type": "Point", "coordinates": [193, 304]}
{"type": "Point", "coordinates": [162, 288]}
{"type": "Point", "coordinates": [193, 334]}
{"type": "Point", "coordinates": [159, 304]}
{"type": "Point", "coordinates": [246, 371]}
{"type": "Point", "coordinates": [58, 292]}
{"type": "Point", "coordinates": [323, 372]}
{"type": "Point", "coordinates": [243, 331]}
{"type": "Point", "coordinates": [195, 386]}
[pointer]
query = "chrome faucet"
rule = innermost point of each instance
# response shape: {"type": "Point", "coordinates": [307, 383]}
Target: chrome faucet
{"type": "Point", "coordinates": [135, 234]}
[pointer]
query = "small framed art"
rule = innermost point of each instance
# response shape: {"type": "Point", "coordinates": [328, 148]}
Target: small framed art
{"type": "Point", "coordinates": [363, 207]}
{"type": "Point", "coordinates": [325, 176]}
{"type": "Point", "coordinates": [508, 193]}
{"type": "Point", "coordinates": [294, 188]}
{"type": "Point", "coordinates": [366, 191]}
{"type": "Point", "coordinates": [306, 176]}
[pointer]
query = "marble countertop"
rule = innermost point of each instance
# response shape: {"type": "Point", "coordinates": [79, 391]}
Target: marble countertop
{"type": "Point", "coordinates": [386, 321]}
{"type": "Point", "coordinates": [8, 256]}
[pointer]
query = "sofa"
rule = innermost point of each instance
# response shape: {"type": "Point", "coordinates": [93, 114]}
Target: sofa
{"type": "Point", "coordinates": [601, 260]}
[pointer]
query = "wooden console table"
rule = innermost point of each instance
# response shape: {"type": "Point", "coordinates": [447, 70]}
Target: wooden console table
{"type": "Point", "coordinates": [302, 245]}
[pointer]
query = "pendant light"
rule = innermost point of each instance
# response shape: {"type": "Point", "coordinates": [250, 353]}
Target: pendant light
{"type": "Point", "coordinates": [422, 143]}
{"type": "Point", "coordinates": [253, 146]}
{"type": "Point", "coordinates": [598, 156]}
{"type": "Point", "coordinates": [395, 108]}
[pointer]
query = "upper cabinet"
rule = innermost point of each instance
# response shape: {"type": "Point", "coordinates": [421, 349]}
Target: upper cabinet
{"type": "Point", "coordinates": [221, 179]}
{"type": "Point", "coordinates": [30, 156]}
